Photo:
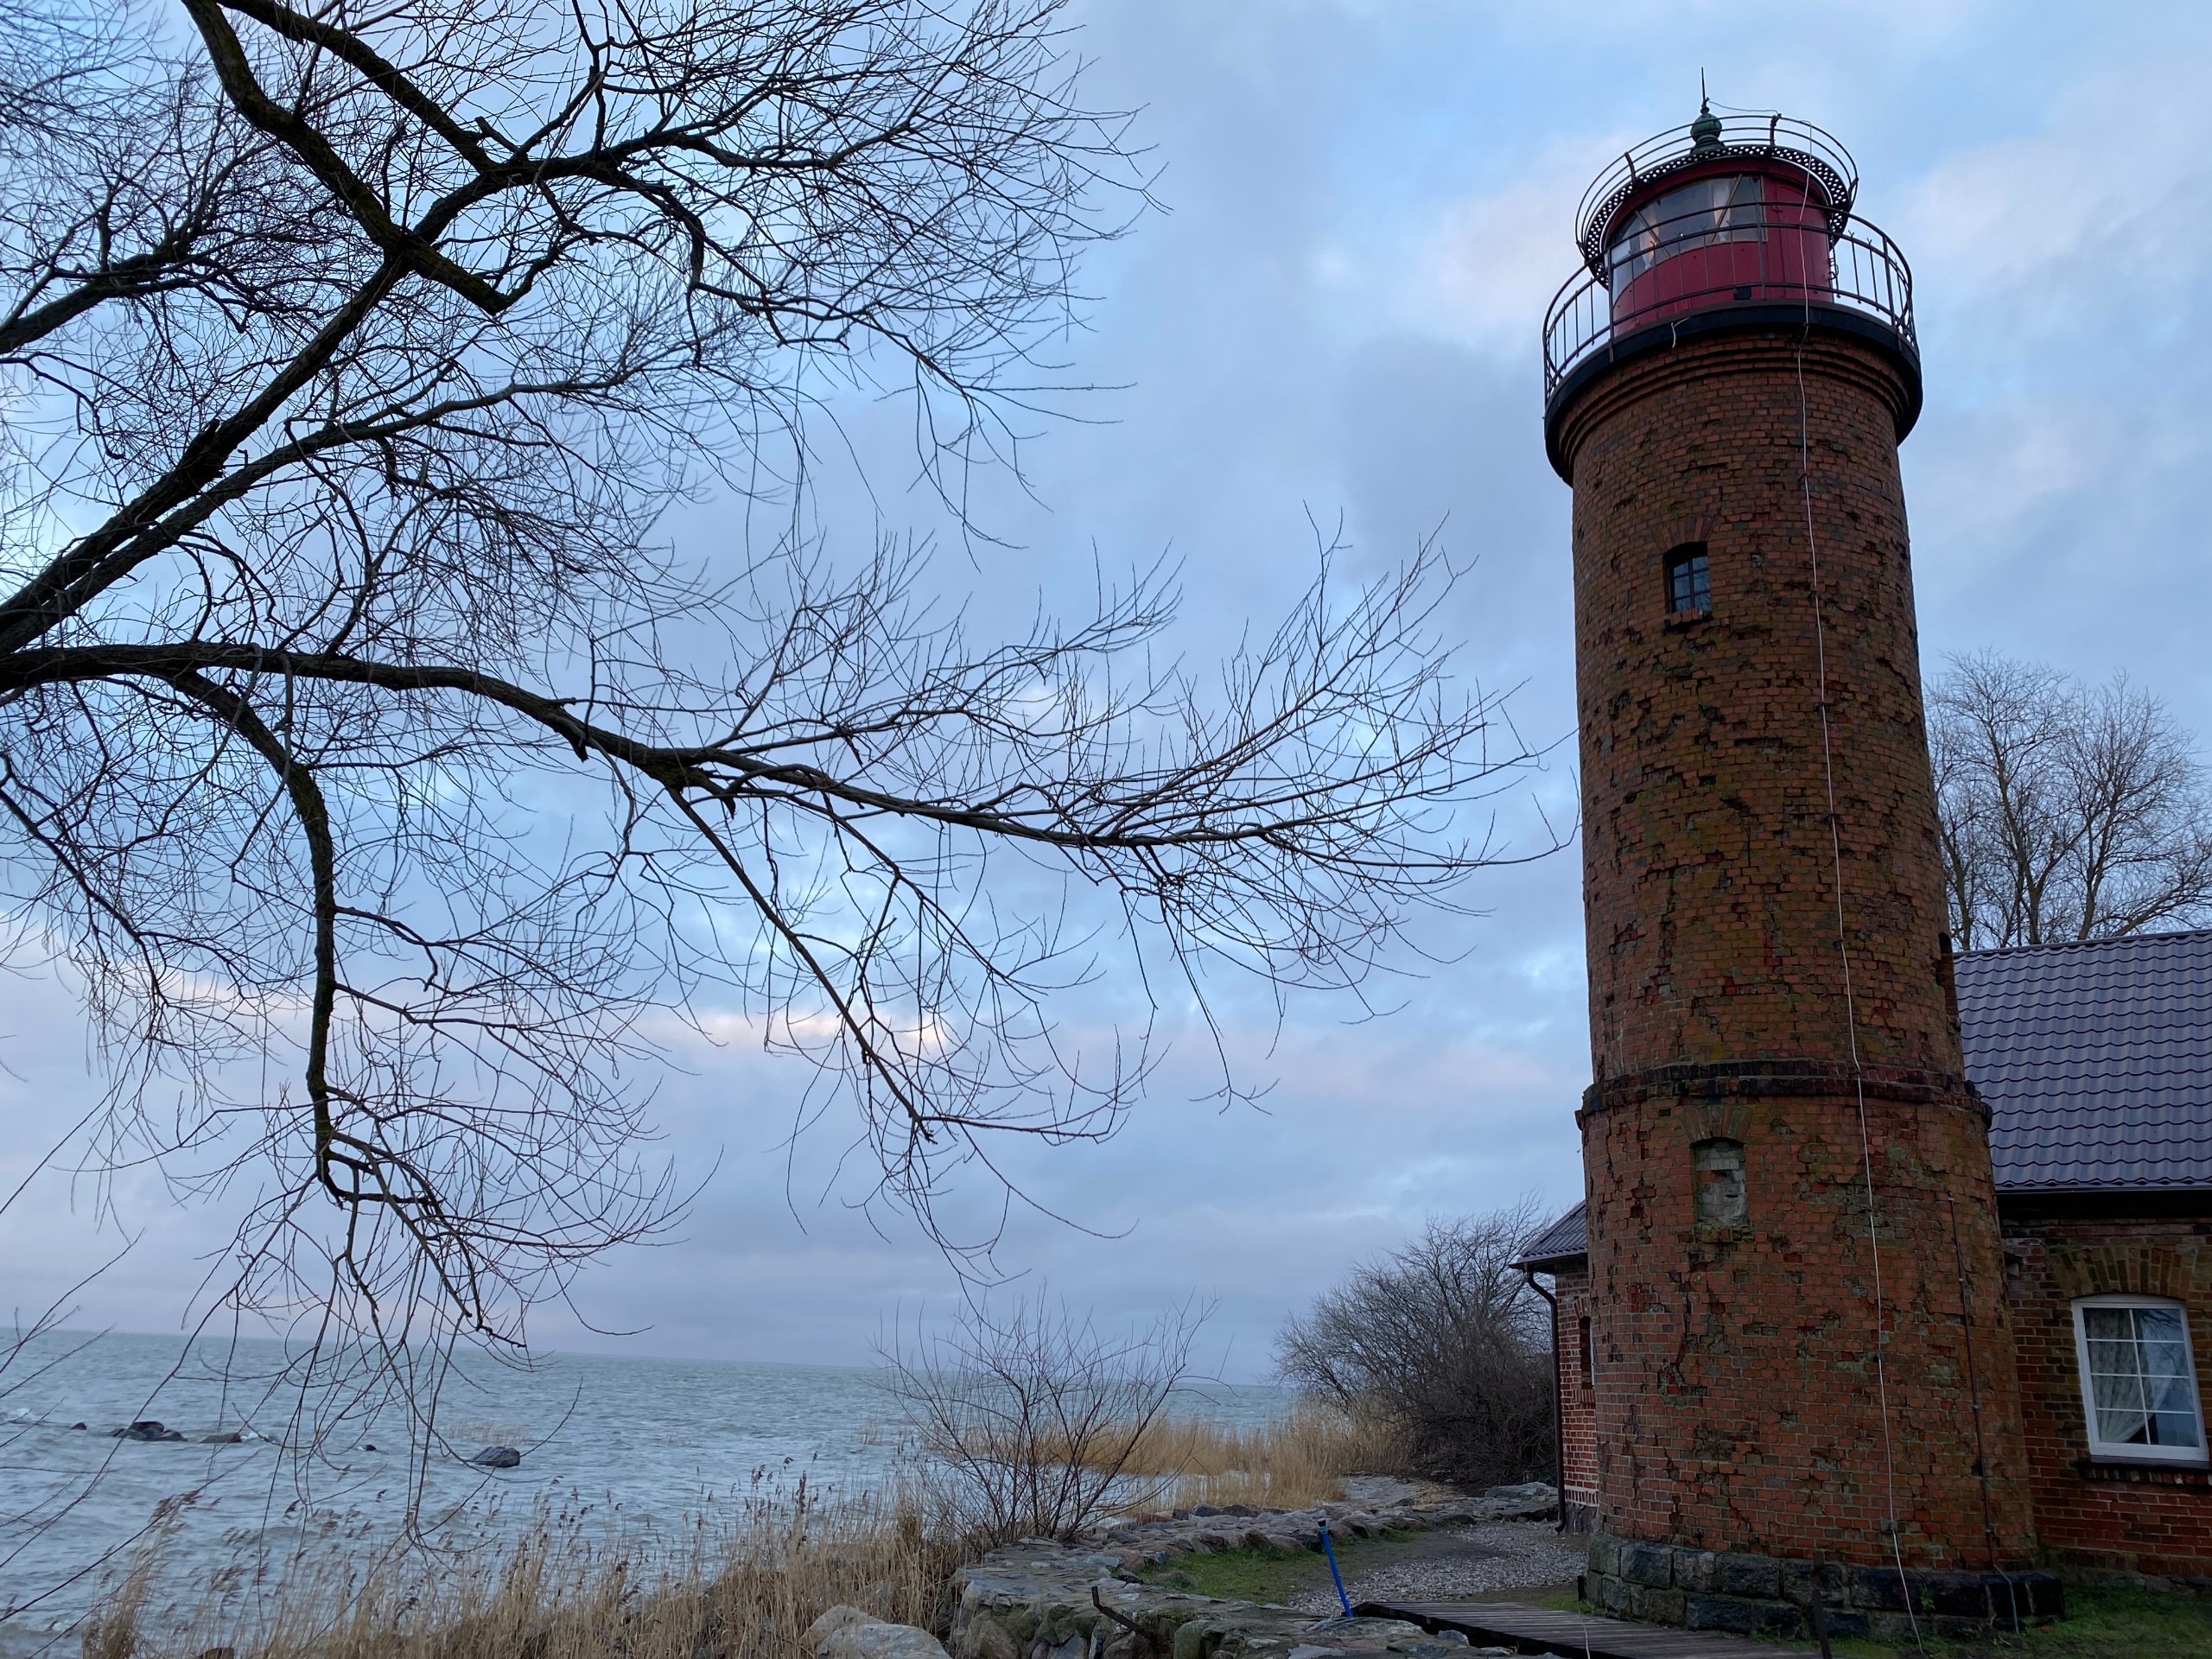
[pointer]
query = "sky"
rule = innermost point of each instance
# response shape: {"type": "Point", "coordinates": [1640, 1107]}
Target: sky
{"type": "Point", "coordinates": [1332, 320]}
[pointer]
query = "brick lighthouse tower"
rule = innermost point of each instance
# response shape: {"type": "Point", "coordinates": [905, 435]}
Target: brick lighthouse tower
{"type": "Point", "coordinates": [1800, 1344]}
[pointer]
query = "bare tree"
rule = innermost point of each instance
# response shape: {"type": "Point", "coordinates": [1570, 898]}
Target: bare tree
{"type": "Point", "coordinates": [1031, 1414]}
{"type": "Point", "coordinates": [2066, 812]}
{"type": "Point", "coordinates": [373, 767]}
{"type": "Point", "coordinates": [1446, 1341]}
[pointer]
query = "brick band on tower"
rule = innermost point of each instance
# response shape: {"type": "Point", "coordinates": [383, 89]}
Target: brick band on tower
{"type": "Point", "coordinates": [1780, 1375]}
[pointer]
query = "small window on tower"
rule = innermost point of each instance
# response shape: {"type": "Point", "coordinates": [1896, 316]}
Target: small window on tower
{"type": "Point", "coordinates": [1689, 581]}
{"type": "Point", "coordinates": [1589, 1354]}
{"type": "Point", "coordinates": [1719, 1173]}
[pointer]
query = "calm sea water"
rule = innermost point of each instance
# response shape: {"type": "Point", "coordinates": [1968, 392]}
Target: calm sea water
{"type": "Point", "coordinates": [655, 1447]}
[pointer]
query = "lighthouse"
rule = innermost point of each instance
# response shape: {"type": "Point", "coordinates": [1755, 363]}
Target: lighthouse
{"type": "Point", "coordinates": [1801, 1361]}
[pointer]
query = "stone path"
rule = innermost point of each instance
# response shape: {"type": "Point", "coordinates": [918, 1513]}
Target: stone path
{"type": "Point", "coordinates": [1574, 1636]}
{"type": "Point", "coordinates": [1397, 1506]}
{"type": "Point", "coordinates": [1465, 1561]}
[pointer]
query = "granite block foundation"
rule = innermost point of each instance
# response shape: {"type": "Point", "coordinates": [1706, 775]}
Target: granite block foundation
{"type": "Point", "coordinates": [1767, 1596]}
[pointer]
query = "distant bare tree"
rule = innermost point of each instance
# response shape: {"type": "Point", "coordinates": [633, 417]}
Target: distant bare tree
{"type": "Point", "coordinates": [2067, 812]}
{"type": "Point", "coordinates": [1445, 1340]}
{"type": "Point", "coordinates": [371, 766]}
{"type": "Point", "coordinates": [1031, 1414]}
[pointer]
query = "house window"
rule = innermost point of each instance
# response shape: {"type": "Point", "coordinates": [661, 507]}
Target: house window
{"type": "Point", "coordinates": [1689, 581]}
{"type": "Point", "coordinates": [1589, 1354]}
{"type": "Point", "coordinates": [2138, 1383]}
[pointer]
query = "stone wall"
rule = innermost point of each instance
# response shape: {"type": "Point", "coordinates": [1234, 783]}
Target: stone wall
{"type": "Point", "coordinates": [1035, 1600]}
{"type": "Point", "coordinates": [1753, 1594]}
{"type": "Point", "coordinates": [1212, 1529]}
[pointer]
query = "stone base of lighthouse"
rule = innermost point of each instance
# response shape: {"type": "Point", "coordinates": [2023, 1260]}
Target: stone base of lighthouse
{"type": "Point", "coordinates": [1750, 1594]}
{"type": "Point", "coordinates": [1791, 1392]}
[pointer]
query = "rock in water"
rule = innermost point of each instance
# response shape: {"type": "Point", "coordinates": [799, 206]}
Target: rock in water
{"type": "Point", "coordinates": [232, 1439]}
{"type": "Point", "coordinates": [497, 1457]}
{"type": "Point", "coordinates": [146, 1429]}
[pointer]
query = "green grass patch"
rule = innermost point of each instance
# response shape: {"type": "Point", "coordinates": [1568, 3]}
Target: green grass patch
{"type": "Point", "coordinates": [2099, 1624]}
{"type": "Point", "coordinates": [1276, 1575]}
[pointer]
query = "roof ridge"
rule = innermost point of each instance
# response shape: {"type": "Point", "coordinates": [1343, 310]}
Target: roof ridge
{"type": "Point", "coordinates": [2167, 937]}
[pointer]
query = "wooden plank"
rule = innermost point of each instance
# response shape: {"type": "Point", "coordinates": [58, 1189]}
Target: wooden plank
{"type": "Point", "coordinates": [1573, 1635]}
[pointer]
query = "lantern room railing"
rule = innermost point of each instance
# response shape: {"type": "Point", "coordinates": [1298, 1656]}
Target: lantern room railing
{"type": "Point", "coordinates": [1711, 259]}
{"type": "Point", "coordinates": [1771, 144]}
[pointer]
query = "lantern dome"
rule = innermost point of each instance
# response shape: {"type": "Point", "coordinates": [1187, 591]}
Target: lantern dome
{"type": "Point", "coordinates": [1727, 221]}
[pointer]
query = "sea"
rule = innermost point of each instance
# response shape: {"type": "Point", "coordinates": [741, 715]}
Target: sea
{"type": "Point", "coordinates": [647, 1448]}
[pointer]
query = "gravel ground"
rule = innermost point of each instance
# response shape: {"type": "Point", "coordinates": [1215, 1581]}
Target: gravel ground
{"type": "Point", "coordinates": [1465, 1561]}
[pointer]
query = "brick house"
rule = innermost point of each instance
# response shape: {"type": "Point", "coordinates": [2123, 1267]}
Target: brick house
{"type": "Point", "coordinates": [2095, 1063]}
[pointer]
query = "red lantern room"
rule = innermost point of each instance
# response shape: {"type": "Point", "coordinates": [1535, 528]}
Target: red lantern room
{"type": "Point", "coordinates": [1735, 220]}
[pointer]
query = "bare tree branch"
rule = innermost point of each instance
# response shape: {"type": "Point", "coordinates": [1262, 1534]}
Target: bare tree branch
{"type": "Point", "coordinates": [2067, 812]}
{"type": "Point", "coordinates": [358, 730]}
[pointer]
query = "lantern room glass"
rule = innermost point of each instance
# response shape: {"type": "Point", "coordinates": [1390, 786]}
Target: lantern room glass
{"type": "Point", "coordinates": [1731, 208]}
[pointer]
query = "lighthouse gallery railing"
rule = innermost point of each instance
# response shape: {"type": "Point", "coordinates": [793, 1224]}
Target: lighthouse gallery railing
{"type": "Point", "coordinates": [1753, 254]}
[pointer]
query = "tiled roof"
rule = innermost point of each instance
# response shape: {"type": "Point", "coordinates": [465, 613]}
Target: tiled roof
{"type": "Point", "coordinates": [2096, 1059]}
{"type": "Point", "coordinates": [1563, 1240]}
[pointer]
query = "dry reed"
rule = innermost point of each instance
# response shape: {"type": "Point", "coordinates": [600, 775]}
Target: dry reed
{"type": "Point", "coordinates": [1294, 1460]}
{"type": "Point", "coordinates": [746, 1592]}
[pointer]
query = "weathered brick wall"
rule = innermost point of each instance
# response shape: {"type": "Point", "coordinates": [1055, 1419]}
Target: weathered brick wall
{"type": "Point", "coordinates": [1709, 905]}
{"type": "Point", "coordinates": [1737, 1405]}
{"type": "Point", "coordinates": [1577, 1404]}
{"type": "Point", "coordinates": [2110, 1517]}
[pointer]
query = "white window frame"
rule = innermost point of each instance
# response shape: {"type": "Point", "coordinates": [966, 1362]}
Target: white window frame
{"type": "Point", "coordinates": [2128, 1451]}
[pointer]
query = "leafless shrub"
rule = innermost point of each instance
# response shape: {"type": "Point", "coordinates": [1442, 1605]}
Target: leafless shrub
{"type": "Point", "coordinates": [1034, 1417]}
{"type": "Point", "coordinates": [2067, 811]}
{"type": "Point", "coordinates": [1445, 1341]}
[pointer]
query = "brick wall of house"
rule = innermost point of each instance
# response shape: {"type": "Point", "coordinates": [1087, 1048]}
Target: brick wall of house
{"type": "Point", "coordinates": [2151, 1521]}
{"type": "Point", "coordinates": [1577, 1430]}
{"type": "Point", "coordinates": [1739, 1399]}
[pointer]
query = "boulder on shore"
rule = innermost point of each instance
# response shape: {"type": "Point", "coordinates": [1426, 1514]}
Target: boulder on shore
{"type": "Point", "coordinates": [846, 1632]}
{"type": "Point", "coordinates": [1534, 1502]}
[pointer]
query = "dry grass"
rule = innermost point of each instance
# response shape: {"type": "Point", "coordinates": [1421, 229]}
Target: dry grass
{"type": "Point", "coordinates": [745, 1593]}
{"type": "Point", "coordinates": [1297, 1459]}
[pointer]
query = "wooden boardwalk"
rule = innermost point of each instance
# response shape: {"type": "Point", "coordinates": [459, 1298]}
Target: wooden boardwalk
{"type": "Point", "coordinates": [1538, 1630]}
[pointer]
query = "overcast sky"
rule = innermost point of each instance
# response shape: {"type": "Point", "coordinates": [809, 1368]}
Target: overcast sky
{"type": "Point", "coordinates": [1366, 206]}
